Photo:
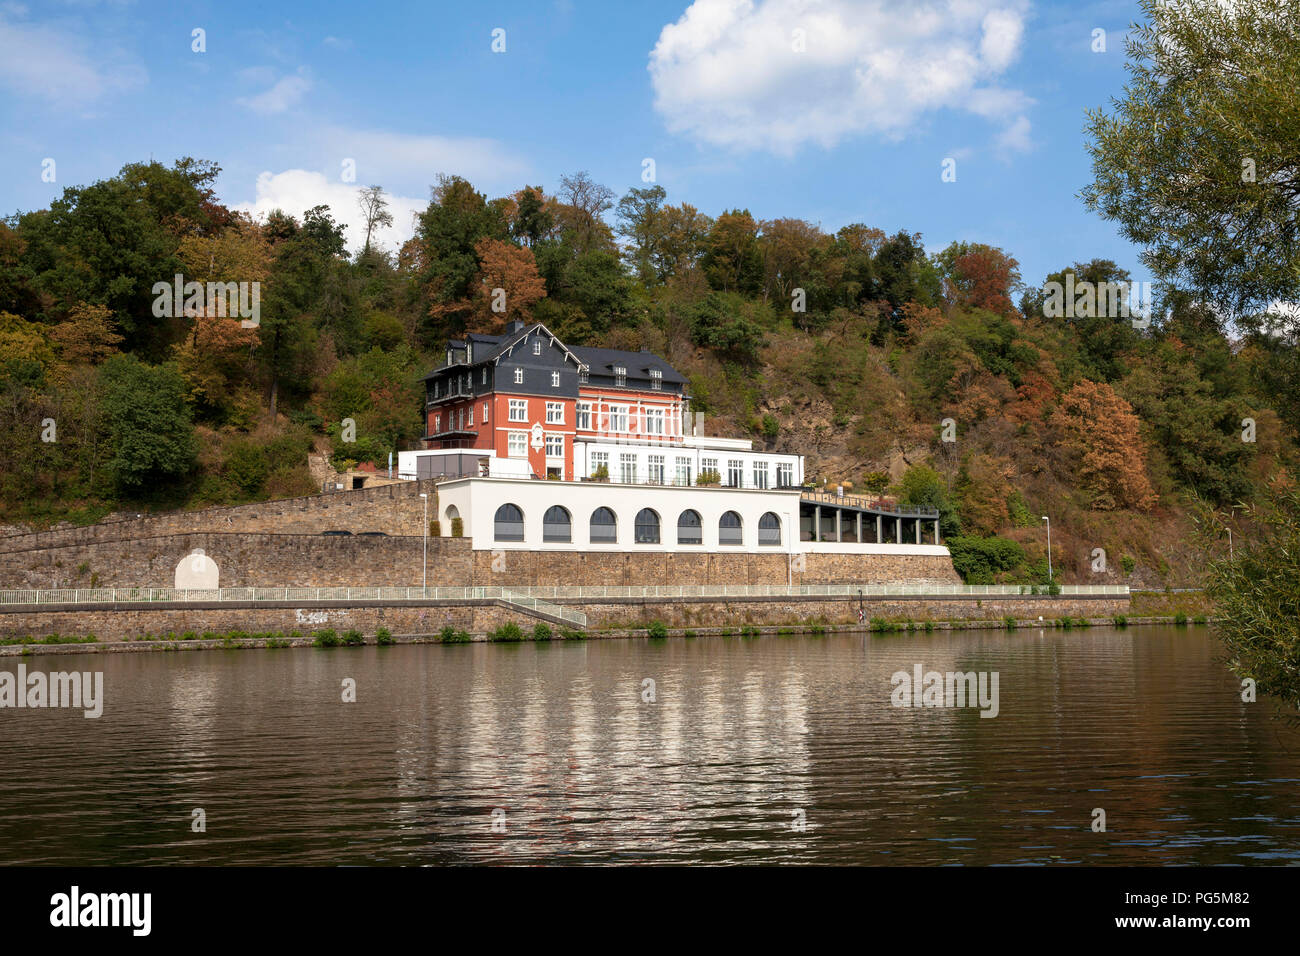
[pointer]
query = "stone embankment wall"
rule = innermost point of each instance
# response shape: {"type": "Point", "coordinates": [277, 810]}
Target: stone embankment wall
{"type": "Point", "coordinates": [483, 616]}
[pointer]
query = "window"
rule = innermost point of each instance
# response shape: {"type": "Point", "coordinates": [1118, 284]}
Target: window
{"type": "Point", "coordinates": [460, 418]}
{"type": "Point", "coordinates": [537, 346]}
{"type": "Point", "coordinates": [518, 410]}
{"type": "Point", "coordinates": [469, 381]}
{"type": "Point", "coordinates": [683, 471]}
{"type": "Point", "coordinates": [583, 375]}
{"type": "Point", "coordinates": [709, 464]}
{"type": "Point", "coordinates": [485, 414]}
{"type": "Point", "coordinates": [557, 525]}
{"type": "Point", "coordinates": [519, 376]}
{"type": "Point", "coordinates": [584, 415]}
{"type": "Point", "coordinates": [604, 527]}
{"type": "Point", "coordinates": [517, 444]}
{"type": "Point", "coordinates": [735, 472]}
{"type": "Point", "coordinates": [618, 418]}
{"type": "Point", "coordinates": [655, 469]}
{"type": "Point", "coordinates": [729, 529]}
{"type": "Point", "coordinates": [554, 446]}
{"type": "Point", "coordinates": [484, 375]}
{"type": "Point", "coordinates": [769, 529]}
{"type": "Point", "coordinates": [437, 388]}
{"type": "Point", "coordinates": [555, 380]}
{"type": "Point", "coordinates": [647, 527]}
{"type": "Point", "coordinates": [627, 468]}
{"type": "Point", "coordinates": [600, 459]}
{"type": "Point", "coordinates": [469, 415]}
{"type": "Point", "coordinates": [654, 421]}
{"type": "Point", "coordinates": [555, 413]}
{"type": "Point", "coordinates": [656, 379]}
{"type": "Point", "coordinates": [437, 424]}
{"type": "Point", "coordinates": [760, 474]}
{"type": "Point", "coordinates": [509, 524]}
{"type": "Point", "coordinates": [785, 474]}
{"type": "Point", "coordinates": [620, 375]}
{"type": "Point", "coordinates": [689, 528]}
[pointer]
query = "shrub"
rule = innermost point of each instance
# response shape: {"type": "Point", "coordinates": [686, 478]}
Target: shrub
{"type": "Point", "coordinates": [978, 560]}
{"type": "Point", "coordinates": [1180, 619]}
{"type": "Point", "coordinates": [1053, 587]}
{"type": "Point", "coordinates": [435, 528]}
{"type": "Point", "coordinates": [817, 630]}
{"type": "Point", "coordinates": [458, 527]}
{"type": "Point", "coordinates": [929, 626]}
{"type": "Point", "coordinates": [688, 634]}
{"type": "Point", "coordinates": [1120, 620]}
{"type": "Point", "coordinates": [1127, 563]}
{"type": "Point", "coordinates": [572, 634]}
{"type": "Point", "coordinates": [708, 477]}
{"type": "Point", "coordinates": [353, 638]}
{"type": "Point", "coordinates": [541, 631]}
{"type": "Point", "coordinates": [327, 638]}
{"type": "Point", "coordinates": [507, 633]}
{"type": "Point", "coordinates": [450, 635]}
{"type": "Point", "coordinates": [657, 629]}
{"type": "Point", "coordinates": [384, 637]}
{"type": "Point", "coordinates": [1009, 623]}
{"type": "Point", "coordinates": [601, 473]}
{"type": "Point", "coordinates": [785, 631]}
{"type": "Point", "coordinates": [728, 632]}
{"type": "Point", "coordinates": [749, 630]}
{"type": "Point", "coordinates": [879, 624]}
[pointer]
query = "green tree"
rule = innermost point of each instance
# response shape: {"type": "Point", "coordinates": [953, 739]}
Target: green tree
{"type": "Point", "coordinates": [150, 433]}
{"type": "Point", "coordinates": [1196, 162]}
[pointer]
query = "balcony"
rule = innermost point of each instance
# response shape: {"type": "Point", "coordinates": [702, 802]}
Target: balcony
{"type": "Point", "coordinates": [453, 393]}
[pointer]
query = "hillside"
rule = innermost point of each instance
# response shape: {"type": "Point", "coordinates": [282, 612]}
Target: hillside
{"type": "Point", "coordinates": [942, 379]}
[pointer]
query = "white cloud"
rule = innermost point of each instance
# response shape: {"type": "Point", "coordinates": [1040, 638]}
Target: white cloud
{"type": "Point", "coordinates": [728, 72]}
{"type": "Point", "coordinates": [296, 190]}
{"type": "Point", "coordinates": [1015, 138]}
{"type": "Point", "coordinates": [50, 63]}
{"type": "Point", "coordinates": [280, 98]}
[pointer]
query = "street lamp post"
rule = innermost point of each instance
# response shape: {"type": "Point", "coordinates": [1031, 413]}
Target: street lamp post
{"type": "Point", "coordinates": [1049, 548]}
{"type": "Point", "coordinates": [425, 585]}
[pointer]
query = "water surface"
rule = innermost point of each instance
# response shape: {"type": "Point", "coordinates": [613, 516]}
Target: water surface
{"type": "Point", "coordinates": [768, 750]}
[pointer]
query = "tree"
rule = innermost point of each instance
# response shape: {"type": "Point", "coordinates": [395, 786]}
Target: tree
{"type": "Point", "coordinates": [449, 229]}
{"type": "Point", "coordinates": [1197, 161]}
{"type": "Point", "coordinates": [86, 337]}
{"type": "Point", "coordinates": [1100, 429]}
{"type": "Point", "coordinates": [505, 267]}
{"type": "Point", "coordinates": [581, 214]}
{"type": "Point", "coordinates": [732, 261]}
{"type": "Point", "coordinates": [148, 422]}
{"type": "Point", "coordinates": [375, 208]}
{"type": "Point", "coordinates": [1255, 591]}
{"type": "Point", "coordinates": [977, 276]}
{"type": "Point", "coordinates": [640, 223]}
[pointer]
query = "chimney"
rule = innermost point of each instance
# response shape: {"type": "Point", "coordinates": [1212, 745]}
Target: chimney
{"type": "Point", "coordinates": [514, 326]}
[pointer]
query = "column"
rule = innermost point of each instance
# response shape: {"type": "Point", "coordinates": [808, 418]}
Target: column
{"type": "Point", "coordinates": [858, 530]}
{"type": "Point", "coordinates": [880, 534]}
{"type": "Point", "coordinates": [918, 530]}
{"type": "Point", "coordinates": [817, 522]}
{"type": "Point", "coordinates": [839, 531]}
{"type": "Point", "coordinates": [898, 529]}
{"type": "Point", "coordinates": [936, 530]}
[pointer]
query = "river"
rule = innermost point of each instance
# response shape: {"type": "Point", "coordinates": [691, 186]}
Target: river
{"type": "Point", "coordinates": [710, 750]}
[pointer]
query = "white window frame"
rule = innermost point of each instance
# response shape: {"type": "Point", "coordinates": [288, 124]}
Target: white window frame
{"type": "Point", "coordinates": [735, 466]}
{"type": "Point", "coordinates": [654, 421]}
{"type": "Point", "coordinates": [620, 376]}
{"type": "Point", "coordinates": [656, 379]}
{"type": "Point", "coordinates": [555, 413]}
{"type": "Point", "coordinates": [599, 458]}
{"type": "Point", "coordinates": [555, 380]}
{"type": "Point", "coordinates": [537, 346]}
{"type": "Point", "coordinates": [485, 413]}
{"type": "Point", "coordinates": [655, 469]}
{"type": "Point", "coordinates": [516, 444]}
{"type": "Point", "coordinates": [551, 439]}
{"type": "Point", "coordinates": [785, 473]}
{"type": "Point", "coordinates": [518, 409]}
{"type": "Point", "coordinates": [583, 415]}
{"type": "Point", "coordinates": [469, 416]}
{"type": "Point", "coordinates": [627, 467]}
{"type": "Point", "coordinates": [618, 414]}
{"type": "Point", "coordinates": [519, 376]}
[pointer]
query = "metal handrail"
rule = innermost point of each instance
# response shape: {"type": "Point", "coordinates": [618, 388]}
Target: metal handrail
{"type": "Point", "coordinates": [532, 596]}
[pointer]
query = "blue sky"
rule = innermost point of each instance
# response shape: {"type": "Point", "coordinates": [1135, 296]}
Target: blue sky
{"type": "Point", "coordinates": [831, 111]}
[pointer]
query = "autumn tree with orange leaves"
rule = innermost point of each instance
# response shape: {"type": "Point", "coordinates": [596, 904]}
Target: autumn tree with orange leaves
{"type": "Point", "coordinates": [1099, 429]}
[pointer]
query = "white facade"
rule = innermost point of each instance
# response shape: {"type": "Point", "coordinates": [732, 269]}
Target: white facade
{"type": "Point", "coordinates": [476, 501]}
{"type": "Point", "coordinates": [637, 462]}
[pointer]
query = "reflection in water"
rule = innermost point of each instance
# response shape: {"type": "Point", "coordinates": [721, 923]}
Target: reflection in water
{"type": "Point", "coordinates": [766, 750]}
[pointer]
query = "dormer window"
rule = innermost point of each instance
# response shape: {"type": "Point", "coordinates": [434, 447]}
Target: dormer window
{"type": "Point", "coordinates": [582, 375]}
{"type": "Point", "coordinates": [448, 356]}
{"type": "Point", "coordinates": [484, 374]}
{"type": "Point", "coordinates": [656, 379]}
{"type": "Point", "coordinates": [620, 375]}
{"type": "Point", "coordinates": [469, 353]}
{"type": "Point", "coordinates": [519, 376]}
{"type": "Point", "coordinates": [555, 380]}
{"type": "Point", "coordinates": [537, 346]}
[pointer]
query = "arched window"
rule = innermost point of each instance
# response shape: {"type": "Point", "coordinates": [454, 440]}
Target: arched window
{"type": "Point", "coordinates": [509, 523]}
{"type": "Point", "coordinates": [769, 529]}
{"type": "Point", "coordinates": [647, 527]}
{"type": "Point", "coordinates": [729, 528]}
{"type": "Point", "coordinates": [452, 513]}
{"type": "Point", "coordinates": [689, 528]}
{"type": "Point", "coordinates": [557, 525]}
{"type": "Point", "coordinates": [604, 526]}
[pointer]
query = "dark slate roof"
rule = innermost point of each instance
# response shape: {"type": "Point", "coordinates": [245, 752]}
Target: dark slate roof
{"type": "Point", "coordinates": [600, 361]}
